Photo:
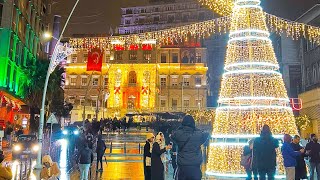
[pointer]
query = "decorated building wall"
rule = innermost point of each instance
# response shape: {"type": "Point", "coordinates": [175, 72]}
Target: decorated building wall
{"type": "Point", "coordinates": [21, 24]}
{"type": "Point", "coordinates": [136, 79]}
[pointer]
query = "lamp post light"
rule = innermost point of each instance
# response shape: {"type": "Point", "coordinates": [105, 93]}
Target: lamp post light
{"type": "Point", "coordinates": [60, 52]}
{"type": "Point", "coordinates": [198, 87]}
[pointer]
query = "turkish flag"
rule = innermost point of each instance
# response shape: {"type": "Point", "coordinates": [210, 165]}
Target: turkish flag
{"type": "Point", "coordinates": [94, 62]}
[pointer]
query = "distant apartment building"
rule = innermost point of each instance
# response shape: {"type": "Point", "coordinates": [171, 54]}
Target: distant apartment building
{"type": "Point", "coordinates": [137, 79]}
{"type": "Point", "coordinates": [22, 24]}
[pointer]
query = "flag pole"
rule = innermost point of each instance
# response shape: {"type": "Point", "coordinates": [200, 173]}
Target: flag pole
{"type": "Point", "coordinates": [85, 98]}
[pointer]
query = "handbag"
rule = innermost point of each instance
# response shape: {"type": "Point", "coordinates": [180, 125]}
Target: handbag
{"type": "Point", "coordinates": [246, 161]}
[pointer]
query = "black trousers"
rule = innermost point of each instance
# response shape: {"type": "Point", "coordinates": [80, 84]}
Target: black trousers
{"type": "Point", "coordinates": [269, 172]}
{"type": "Point", "coordinates": [188, 173]}
{"type": "Point", "coordinates": [99, 159]}
{"type": "Point", "coordinates": [250, 172]}
{"type": "Point", "coordinates": [147, 173]}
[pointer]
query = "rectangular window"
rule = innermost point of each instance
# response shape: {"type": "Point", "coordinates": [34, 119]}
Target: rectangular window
{"type": "Point", "coordinates": [118, 55]}
{"type": "Point", "coordinates": [163, 58]}
{"type": "Point", "coordinates": [84, 81]}
{"type": "Point", "coordinates": [82, 100]}
{"type": "Point", "coordinates": [174, 104]}
{"type": "Point", "coordinates": [174, 57]}
{"type": "Point", "coordinates": [163, 81]}
{"type": "Point", "coordinates": [133, 55]}
{"type": "Point", "coordinates": [197, 81]}
{"type": "Point", "coordinates": [156, 19]}
{"type": "Point", "coordinates": [174, 81]}
{"type": "Point", "coordinates": [126, 31]}
{"type": "Point", "coordinates": [147, 55]}
{"type": "Point", "coordinates": [73, 81]}
{"type": "Point", "coordinates": [128, 21]}
{"type": "Point", "coordinates": [163, 103]}
{"type": "Point", "coordinates": [106, 81]}
{"type": "Point", "coordinates": [74, 58]}
{"type": "Point", "coordinates": [170, 18]}
{"type": "Point", "coordinates": [94, 102]}
{"type": "Point", "coordinates": [198, 103]}
{"type": "Point", "coordinates": [186, 81]}
{"type": "Point", "coordinates": [198, 58]}
{"type": "Point", "coordinates": [186, 103]}
{"type": "Point", "coordinates": [85, 58]}
{"type": "Point", "coordinates": [95, 81]}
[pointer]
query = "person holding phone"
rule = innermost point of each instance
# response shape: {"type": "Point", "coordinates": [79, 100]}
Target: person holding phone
{"type": "Point", "coordinates": [5, 170]}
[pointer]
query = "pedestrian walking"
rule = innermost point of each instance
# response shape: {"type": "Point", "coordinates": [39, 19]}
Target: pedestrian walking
{"type": "Point", "coordinates": [50, 169]}
{"type": "Point", "coordinates": [5, 170]}
{"type": "Point", "coordinates": [157, 169]}
{"type": "Point", "coordinates": [301, 170]}
{"type": "Point", "coordinates": [101, 148]}
{"type": "Point", "coordinates": [246, 161]}
{"type": "Point", "coordinates": [147, 156]}
{"type": "Point", "coordinates": [85, 160]}
{"type": "Point", "coordinates": [189, 158]}
{"type": "Point", "coordinates": [313, 150]}
{"type": "Point", "coordinates": [289, 157]}
{"type": "Point", "coordinates": [264, 154]}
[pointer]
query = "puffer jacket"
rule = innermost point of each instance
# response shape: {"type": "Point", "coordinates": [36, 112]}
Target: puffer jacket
{"type": "Point", "coordinates": [85, 156]}
{"type": "Point", "coordinates": [191, 154]}
{"type": "Point", "coordinates": [289, 155]}
{"type": "Point", "coordinates": [5, 173]}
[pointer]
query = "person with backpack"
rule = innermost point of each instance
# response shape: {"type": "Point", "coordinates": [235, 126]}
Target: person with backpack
{"type": "Point", "coordinates": [289, 157]}
{"type": "Point", "coordinates": [246, 161]}
{"type": "Point", "coordinates": [264, 154]}
{"type": "Point", "coordinates": [189, 158]}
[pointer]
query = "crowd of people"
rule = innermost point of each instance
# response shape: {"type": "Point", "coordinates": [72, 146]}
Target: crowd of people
{"type": "Point", "coordinates": [186, 162]}
{"type": "Point", "coordinates": [259, 157]}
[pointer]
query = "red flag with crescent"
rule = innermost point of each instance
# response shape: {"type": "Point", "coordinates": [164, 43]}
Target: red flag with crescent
{"type": "Point", "coordinates": [94, 62]}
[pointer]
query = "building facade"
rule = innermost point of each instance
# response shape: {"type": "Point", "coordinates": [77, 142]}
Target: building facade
{"type": "Point", "coordinates": [161, 15]}
{"type": "Point", "coordinates": [137, 79]}
{"type": "Point", "coordinates": [21, 26]}
{"type": "Point", "coordinates": [309, 91]}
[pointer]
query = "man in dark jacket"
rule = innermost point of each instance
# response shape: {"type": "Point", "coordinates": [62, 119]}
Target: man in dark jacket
{"type": "Point", "coordinates": [85, 160]}
{"type": "Point", "coordinates": [313, 150]}
{"type": "Point", "coordinates": [147, 156]}
{"type": "Point", "coordinates": [189, 141]}
{"type": "Point", "coordinates": [301, 170]}
{"type": "Point", "coordinates": [101, 148]}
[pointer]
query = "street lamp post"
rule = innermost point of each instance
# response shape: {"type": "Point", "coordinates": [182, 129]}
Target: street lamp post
{"type": "Point", "coordinates": [199, 105]}
{"type": "Point", "coordinates": [59, 53]}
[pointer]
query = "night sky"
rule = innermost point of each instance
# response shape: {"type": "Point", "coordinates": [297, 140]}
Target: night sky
{"type": "Point", "coordinates": [96, 16]}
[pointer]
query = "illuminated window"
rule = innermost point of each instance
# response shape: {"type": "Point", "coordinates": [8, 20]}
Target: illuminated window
{"type": "Point", "coordinates": [95, 81]}
{"type": "Point", "coordinates": [174, 104]}
{"type": "Point", "coordinates": [186, 81]}
{"type": "Point", "coordinates": [186, 103]}
{"type": "Point", "coordinates": [84, 81]}
{"type": "Point", "coordinates": [174, 81]}
{"type": "Point", "coordinates": [106, 81]}
{"type": "Point", "coordinates": [163, 58]}
{"type": "Point", "coordinates": [132, 77]}
{"type": "Point", "coordinates": [163, 81]}
{"type": "Point", "coordinates": [74, 58]}
{"type": "Point", "coordinates": [147, 55]}
{"type": "Point", "coordinates": [118, 55]}
{"type": "Point", "coordinates": [197, 80]}
{"type": "Point", "coordinates": [174, 57]}
{"type": "Point", "coordinates": [73, 81]}
{"type": "Point", "coordinates": [133, 55]}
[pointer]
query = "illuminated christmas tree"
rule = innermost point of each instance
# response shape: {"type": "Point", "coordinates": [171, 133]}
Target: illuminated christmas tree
{"type": "Point", "coordinates": [252, 92]}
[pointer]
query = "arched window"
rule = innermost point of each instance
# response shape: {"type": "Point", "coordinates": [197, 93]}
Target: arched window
{"type": "Point", "coordinates": [132, 77]}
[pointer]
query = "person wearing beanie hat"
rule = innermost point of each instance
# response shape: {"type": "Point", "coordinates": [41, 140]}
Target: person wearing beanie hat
{"type": "Point", "coordinates": [147, 156]}
{"type": "Point", "coordinates": [189, 157]}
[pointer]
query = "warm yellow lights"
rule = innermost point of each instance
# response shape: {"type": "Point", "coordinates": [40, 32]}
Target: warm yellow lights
{"type": "Point", "coordinates": [252, 92]}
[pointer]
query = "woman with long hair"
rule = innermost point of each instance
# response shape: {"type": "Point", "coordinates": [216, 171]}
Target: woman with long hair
{"type": "Point", "coordinates": [264, 154]}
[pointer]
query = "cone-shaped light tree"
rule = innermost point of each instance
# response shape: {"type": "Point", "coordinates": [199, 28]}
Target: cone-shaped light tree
{"type": "Point", "coordinates": [252, 92]}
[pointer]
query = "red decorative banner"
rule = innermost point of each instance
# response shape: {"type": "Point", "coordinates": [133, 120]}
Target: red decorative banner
{"type": "Point", "coordinates": [95, 60]}
{"type": "Point", "coordinates": [146, 47]}
{"type": "Point", "coordinates": [144, 90]}
{"type": "Point", "coordinates": [117, 90]}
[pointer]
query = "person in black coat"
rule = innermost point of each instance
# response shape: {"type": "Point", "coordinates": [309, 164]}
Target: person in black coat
{"type": "Point", "coordinates": [247, 150]}
{"type": "Point", "coordinates": [157, 169]}
{"type": "Point", "coordinates": [101, 148]}
{"type": "Point", "coordinates": [313, 151]}
{"type": "Point", "coordinates": [189, 158]}
{"type": "Point", "coordinates": [301, 170]}
{"type": "Point", "coordinates": [147, 156]}
{"type": "Point", "coordinates": [264, 154]}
